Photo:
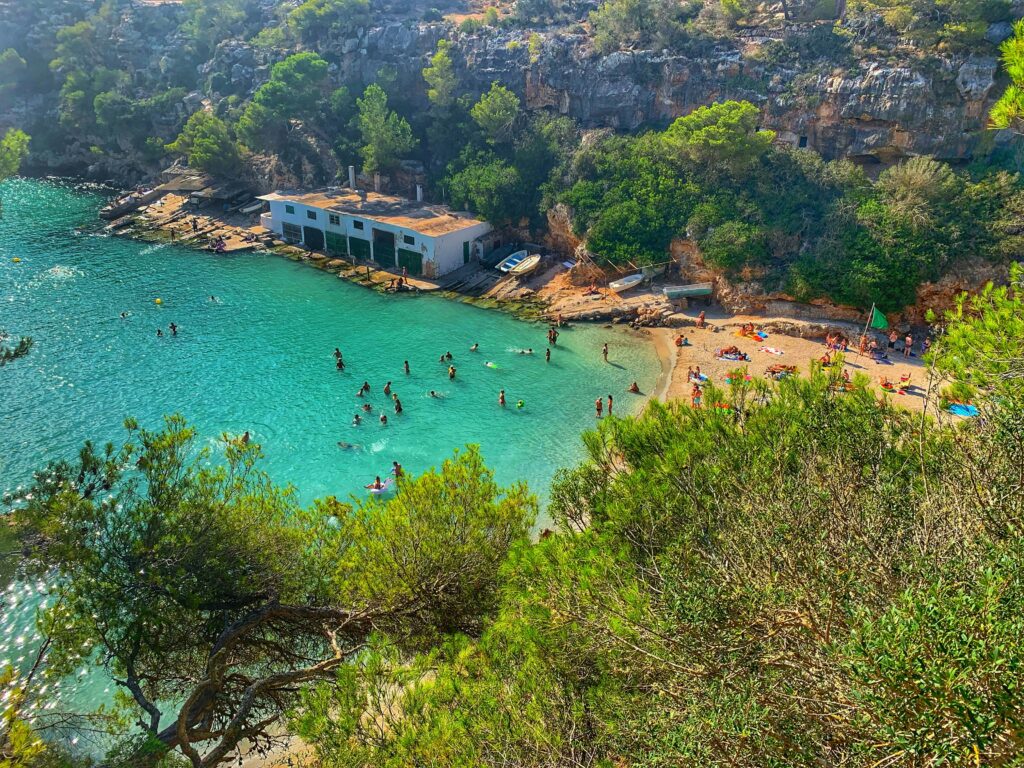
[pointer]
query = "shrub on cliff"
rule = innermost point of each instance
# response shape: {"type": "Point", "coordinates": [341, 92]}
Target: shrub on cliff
{"type": "Point", "coordinates": [207, 143]}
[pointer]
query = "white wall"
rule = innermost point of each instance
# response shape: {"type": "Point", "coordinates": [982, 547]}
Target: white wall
{"type": "Point", "coordinates": [445, 251]}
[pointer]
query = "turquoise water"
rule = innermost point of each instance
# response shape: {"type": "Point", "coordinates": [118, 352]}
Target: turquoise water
{"type": "Point", "coordinates": [260, 358]}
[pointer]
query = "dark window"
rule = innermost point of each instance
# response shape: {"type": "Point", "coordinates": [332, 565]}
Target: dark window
{"type": "Point", "coordinates": [357, 224]}
{"type": "Point", "coordinates": [803, 142]}
{"type": "Point", "coordinates": [311, 215]}
{"type": "Point", "coordinates": [334, 219]}
{"type": "Point", "coordinates": [289, 209]}
{"type": "Point", "coordinates": [291, 232]}
{"type": "Point", "coordinates": [409, 239]}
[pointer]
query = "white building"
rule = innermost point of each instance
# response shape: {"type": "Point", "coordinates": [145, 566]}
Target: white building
{"type": "Point", "coordinates": [427, 240]}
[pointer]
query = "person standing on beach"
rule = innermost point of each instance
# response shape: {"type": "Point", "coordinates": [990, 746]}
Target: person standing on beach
{"type": "Point", "coordinates": [700, 319]}
{"type": "Point", "coordinates": [893, 338]}
{"type": "Point", "coordinates": [604, 352]}
{"type": "Point", "coordinates": [599, 406]}
{"type": "Point", "coordinates": [908, 346]}
{"type": "Point", "coordinates": [609, 405]}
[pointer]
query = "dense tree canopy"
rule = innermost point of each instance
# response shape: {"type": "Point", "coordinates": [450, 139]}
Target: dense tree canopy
{"type": "Point", "coordinates": [207, 143]}
{"type": "Point", "coordinates": [387, 136]}
{"type": "Point", "coordinates": [212, 597]}
{"type": "Point", "coordinates": [13, 150]}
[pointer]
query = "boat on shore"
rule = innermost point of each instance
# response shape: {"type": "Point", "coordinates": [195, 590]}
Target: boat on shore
{"type": "Point", "coordinates": [627, 282]}
{"type": "Point", "coordinates": [506, 265]}
{"type": "Point", "coordinates": [687, 291]}
{"type": "Point", "coordinates": [526, 266]}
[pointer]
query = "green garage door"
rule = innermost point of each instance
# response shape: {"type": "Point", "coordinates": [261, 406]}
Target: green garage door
{"type": "Point", "coordinates": [411, 260]}
{"type": "Point", "coordinates": [359, 247]}
{"type": "Point", "coordinates": [337, 245]}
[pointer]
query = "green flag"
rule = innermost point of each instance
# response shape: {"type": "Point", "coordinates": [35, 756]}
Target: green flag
{"type": "Point", "coordinates": [878, 319]}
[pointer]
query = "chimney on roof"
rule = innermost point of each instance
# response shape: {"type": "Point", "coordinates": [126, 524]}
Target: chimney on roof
{"type": "Point", "coordinates": [352, 177]}
{"type": "Point", "coordinates": [376, 182]}
{"type": "Point", "coordinates": [419, 193]}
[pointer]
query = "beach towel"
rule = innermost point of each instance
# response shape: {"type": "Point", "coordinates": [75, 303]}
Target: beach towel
{"type": "Point", "coordinates": [770, 350]}
{"type": "Point", "coordinates": [733, 357]}
{"type": "Point", "coordinates": [964, 410]}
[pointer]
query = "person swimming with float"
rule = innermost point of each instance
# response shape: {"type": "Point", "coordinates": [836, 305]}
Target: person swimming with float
{"type": "Point", "coordinates": [520, 404]}
{"type": "Point", "coordinates": [376, 485]}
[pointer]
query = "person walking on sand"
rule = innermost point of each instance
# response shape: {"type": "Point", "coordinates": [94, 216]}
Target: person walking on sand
{"type": "Point", "coordinates": [604, 352]}
{"type": "Point", "coordinates": [609, 405]}
{"type": "Point", "coordinates": [547, 355]}
{"type": "Point", "coordinates": [406, 367]}
{"type": "Point", "coordinates": [908, 346]}
{"type": "Point", "coordinates": [501, 397]}
{"type": "Point", "coordinates": [599, 406]}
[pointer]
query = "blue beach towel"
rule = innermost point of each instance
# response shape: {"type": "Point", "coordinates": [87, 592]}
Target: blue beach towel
{"type": "Point", "coordinates": [964, 411]}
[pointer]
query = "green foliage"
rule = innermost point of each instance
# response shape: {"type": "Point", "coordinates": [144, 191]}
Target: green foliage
{"type": "Point", "coordinates": [646, 24]}
{"type": "Point", "coordinates": [713, 178]}
{"type": "Point", "coordinates": [951, 24]}
{"type": "Point", "coordinates": [207, 143]}
{"type": "Point", "coordinates": [387, 136]}
{"type": "Point", "coordinates": [440, 76]}
{"type": "Point", "coordinates": [13, 150]}
{"type": "Point", "coordinates": [489, 187]}
{"type": "Point", "coordinates": [317, 19]}
{"type": "Point", "coordinates": [207, 589]}
{"type": "Point", "coordinates": [801, 582]}
{"type": "Point", "coordinates": [293, 92]}
{"type": "Point", "coordinates": [497, 113]}
{"type": "Point", "coordinates": [1008, 111]}
{"type": "Point", "coordinates": [722, 135]}
{"type": "Point", "coordinates": [210, 21]}
{"type": "Point", "coordinates": [12, 71]}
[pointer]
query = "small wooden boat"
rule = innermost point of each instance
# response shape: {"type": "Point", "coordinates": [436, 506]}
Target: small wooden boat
{"type": "Point", "coordinates": [513, 261]}
{"type": "Point", "coordinates": [629, 281]}
{"type": "Point", "coordinates": [526, 266]}
{"type": "Point", "coordinates": [252, 208]}
{"type": "Point", "coordinates": [684, 291]}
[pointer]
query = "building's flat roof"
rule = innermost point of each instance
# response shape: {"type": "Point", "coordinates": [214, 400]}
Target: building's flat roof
{"type": "Point", "coordinates": [432, 220]}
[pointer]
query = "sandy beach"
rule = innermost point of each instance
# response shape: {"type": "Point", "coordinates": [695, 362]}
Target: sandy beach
{"type": "Point", "coordinates": [789, 350]}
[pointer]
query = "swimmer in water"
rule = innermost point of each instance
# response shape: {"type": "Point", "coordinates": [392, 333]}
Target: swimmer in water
{"type": "Point", "coordinates": [376, 485]}
{"type": "Point", "coordinates": [501, 397]}
{"type": "Point", "coordinates": [174, 329]}
{"type": "Point", "coordinates": [368, 408]}
{"type": "Point", "coordinates": [634, 388]}
{"type": "Point", "coordinates": [433, 393]}
{"type": "Point", "coordinates": [383, 419]}
{"type": "Point", "coordinates": [448, 356]}
{"type": "Point", "coordinates": [474, 348]}
{"type": "Point", "coordinates": [520, 404]}
{"type": "Point", "coordinates": [159, 333]}
{"type": "Point", "coordinates": [340, 365]}
{"type": "Point", "coordinates": [245, 438]}
{"type": "Point", "coordinates": [398, 406]}
{"type": "Point", "coordinates": [441, 358]}
{"type": "Point", "coordinates": [366, 386]}
{"type": "Point", "coordinates": [598, 406]}
{"type": "Point", "coordinates": [547, 355]}
{"type": "Point", "coordinates": [357, 420]}
{"type": "Point", "coordinates": [213, 298]}
{"type": "Point", "coordinates": [348, 446]}
{"type": "Point", "coordinates": [337, 354]}
{"type": "Point", "coordinates": [396, 469]}
{"type": "Point", "coordinates": [609, 405]}
{"type": "Point", "coordinates": [451, 372]}
{"type": "Point", "coordinates": [124, 315]}
{"type": "Point", "coordinates": [407, 367]}
{"type": "Point", "coordinates": [387, 388]}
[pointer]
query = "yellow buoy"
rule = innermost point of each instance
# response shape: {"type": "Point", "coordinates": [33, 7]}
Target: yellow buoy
{"type": "Point", "coordinates": [16, 260]}
{"type": "Point", "coordinates": [158, 301]}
